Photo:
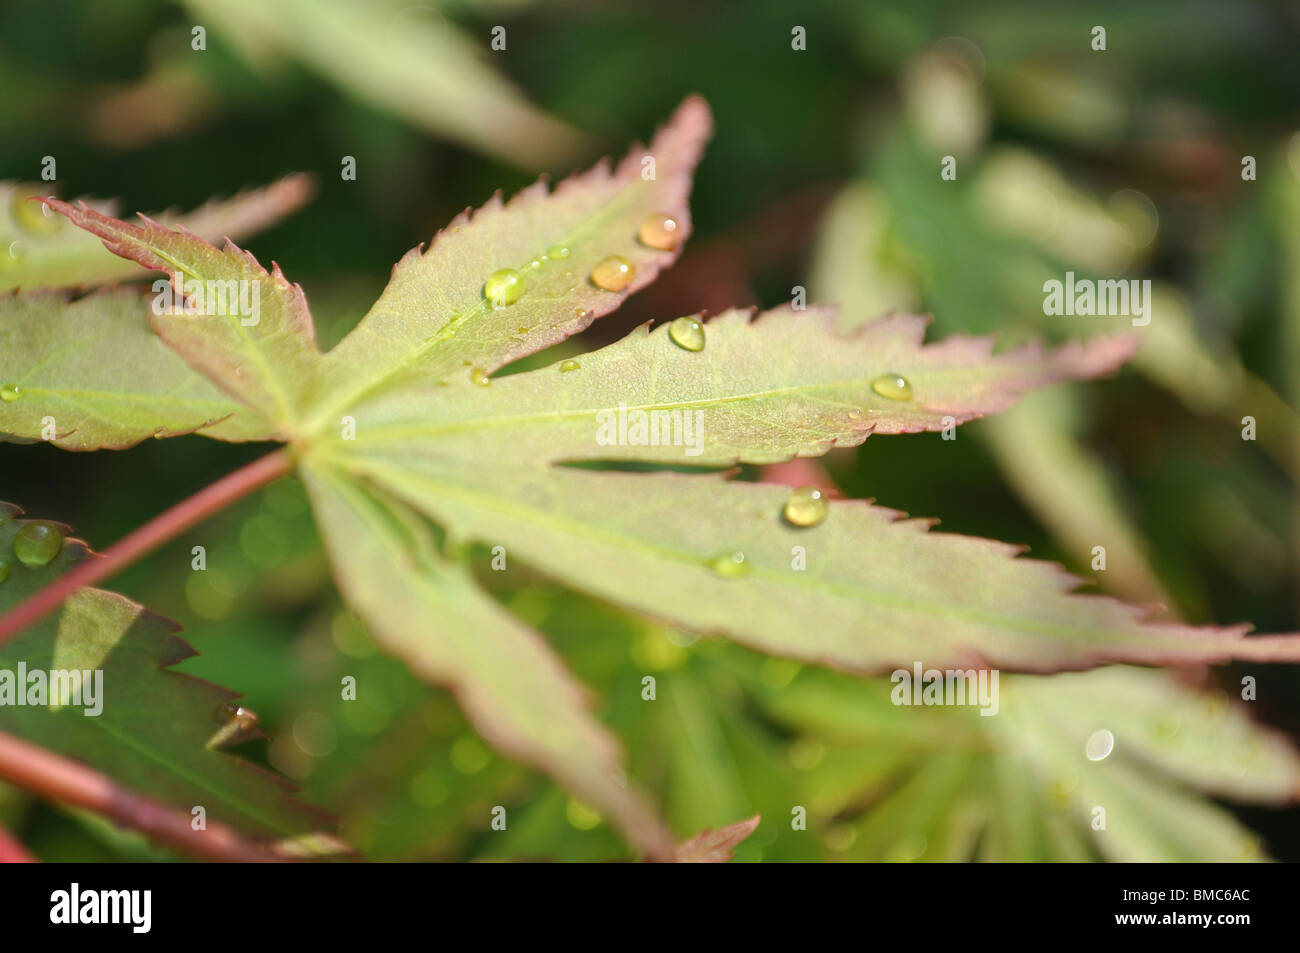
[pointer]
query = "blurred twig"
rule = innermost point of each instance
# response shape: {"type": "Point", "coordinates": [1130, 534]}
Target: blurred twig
{"type": "Point", "coordinates": [55, 777]}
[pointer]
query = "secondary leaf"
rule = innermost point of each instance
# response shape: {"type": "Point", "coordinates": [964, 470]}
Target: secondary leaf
{"type": "Point", "coordinates": [154, 726]}
{"type": "Point", "coordinates": [97, 371]}
{"type": "Point", "coordinates": [437, 317]}
{"type": "Point", "coordinates": [429, 613]}
{"type": "Point", "coordinates": [40, 251]}
{"type": "Point", "coordinates": [760, 391]}
{"type": "Point", "coordinates": [249, 331]}
{"type": "Point", "coordinates": [1024, 778]}
{"type": "Point", "coordinates": [420, 68]}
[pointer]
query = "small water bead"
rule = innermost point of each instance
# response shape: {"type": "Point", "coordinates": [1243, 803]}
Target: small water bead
{"type": "Point", "coordinates": [238, 724]}
{"type": "Point", "coordinates": [503, 287]}
{"type": "Point", "coordinates": [559, 252]}
{"type": "Point", "coordinates": [4, 569]}
{"type": "Point", "coordinates": [806, 507]}
{"type": "Point", "coordinates": [614, 273]}
{"type": "Point", "coordinates": [570, 365]}
{"type": "Point", "coordinates": [1099, 745]}
{"type": "Point", "coordinates": [688, 333]}
{"type": "Point", "coordinates": [480, 377]}
{"type": "Point", "coordinates": [37, 543]}
{"type": "Point", "coordinates": [9, 392]}
{"type": "Point", "coordinates": [660, 231]}
{"type": "Point", "coordinates": [893, 386]}
{"type": "Point", "coordinates": [731, 565]}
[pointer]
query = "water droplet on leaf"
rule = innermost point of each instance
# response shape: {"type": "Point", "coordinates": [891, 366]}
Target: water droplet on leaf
{"type": "Point", "coordinates": [687, 333]}
{"type": "Point", "coordinates": [36, 544]}
{"type": "Point", "coordinates": [480, 377]}
{"type": "Point", "coordinates": [503, 287]}
{"type": "Point", "coordinates": [559, 251]}
{"type": "Point", "coordinates": [805, 507]}
{"type": "Point", "coordinates": [1099, 745]}
{"type": "Point", "coordinates": [238, 724]}
{"type": "Point", "coordinates": [660, 231]}
{"type": "Point", "coordinates": [9, 392]}
{"type": "Point", "coordinates": [731, 565]}
{"type": "Point", "coordinates": [614, 273]}
{"type": "Point", "coordinates": [893, 386]}
{"type": "Point", "coordinates": [4, 569]}
{"type": "Point", "coordinates": [570, 365]}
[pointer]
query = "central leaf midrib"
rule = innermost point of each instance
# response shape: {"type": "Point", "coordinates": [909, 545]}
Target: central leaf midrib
{"type": "Point", "coordinates": [396, 431]}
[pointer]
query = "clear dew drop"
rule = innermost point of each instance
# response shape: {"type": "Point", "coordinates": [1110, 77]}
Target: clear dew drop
{"type": "Point", "coordinates": [660, 231]}
{"type": "Point", "coordinates": [614, 273]}
{"type": "Point", "coordinates": [9, 392]}
{"type": "Point", "coordinates": [480, 377]}
{"type": "Point", "coordinates": [559, 252]}
{"type": "Point", "coordinates": [893, 386]}
{"type": "Point", "coordinates": [36, 544]}
{"type": "Point", "coordinates": [503, 287]}
{"type": "Point", "coordinates": [731, 565]}
{"type": "Point", "coordinates": [4, 569]}
{"type": "Point", "coordinates": [806, 506]}
{"type": "Point", "coordinates": [1099, 745]}
{"type": "Point", "coordinates": [569, 365]}
{"type": "Point", "coordinates": [688, 333]}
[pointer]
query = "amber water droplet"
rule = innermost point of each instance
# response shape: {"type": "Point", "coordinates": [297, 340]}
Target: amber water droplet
{"type": "Point", "coordinates": [806, 506]}
{"type": "Point", "coordinates": [893, 386]}
{"type": "Point", "coordinates": [570, 365]}
{"type": "Point", "coordinates": [480, 377]}
{"type": "Point", "coordinates": [237, 724]}
{"type": "Point", "coordinates": [731, 565]}
{"type": "Point", "coordinates": [559, 252]}
{"type": "Point", "coordinates": [687, 333]}
{"type": "Point", "coordinates": [614, 273]}
{"type": "Point", "coordinates": [503, 287]}
{"type": "Point", "coordinates": [4, 569]}
{"type": "Point", "coordinates": [9, 392]}
{"type": "Point", "coordinates": [660, 231]}
{"type": "Point", "coordinates": [37, 543]}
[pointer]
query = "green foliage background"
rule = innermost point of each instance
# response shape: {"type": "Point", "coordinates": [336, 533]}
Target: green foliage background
{"type": "Point", "coordinates": [1183, 91]}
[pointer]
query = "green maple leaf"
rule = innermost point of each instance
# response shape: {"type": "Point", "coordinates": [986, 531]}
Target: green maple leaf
{"type": "Point", "coordinates": [402, 423]}
{"type": "Point", "coordinates": [155, 728]}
